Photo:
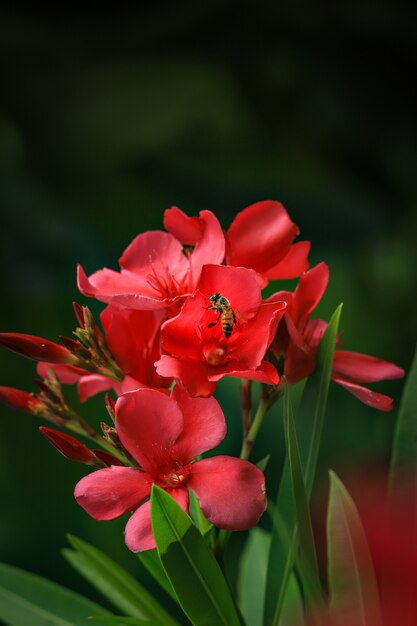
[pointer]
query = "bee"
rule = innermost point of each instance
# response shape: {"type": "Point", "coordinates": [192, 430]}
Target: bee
{"type": "Point", "coordinates": [221, 305]}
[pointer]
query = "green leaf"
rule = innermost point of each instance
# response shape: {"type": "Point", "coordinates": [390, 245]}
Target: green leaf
{"type": "Point", "coordinates": [29, 600]}
{"type": "Point", "coordinates": [292, 607]}
{"type": "Point", "coordinates": [263, 462]}
{"type": "Point", "coordinates": [203, 525]}
{"type": "Point", "coordinates": [352, 584]}
{"type": "Point", "coordinates": [252, 576]}
{"type": "Point", "coordinates": [304, 526]}
{"type": "Point", "coordinates": [194, 573]}
{"type": "Point", "coordinates": [117, 585]}
{"type": "Point", "coordinates": [117, 620]}
{"type": "Point", "coordinates": [404, 451]}
{"type": "Point", "coordinates": [309, 424]}
{"type": "Point", "coordinates": [151, 561]}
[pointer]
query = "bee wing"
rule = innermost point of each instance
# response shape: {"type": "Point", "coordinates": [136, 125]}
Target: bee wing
{"type": "Point", "coordinates": [240, 318]}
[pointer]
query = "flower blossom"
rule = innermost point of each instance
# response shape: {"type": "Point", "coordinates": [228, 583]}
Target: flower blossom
{"type": "Point", "coordinates": [164, 434]}
{"type": "Point", "coordinates": [298, 337]}
{"type": "Point", "coordinates": [156, 271]}
{"type": "Point", "coordinates": [195, 348]}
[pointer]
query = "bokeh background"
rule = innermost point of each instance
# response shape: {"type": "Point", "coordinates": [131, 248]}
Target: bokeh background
{"type": "Point", "coordinates": [107, 118]}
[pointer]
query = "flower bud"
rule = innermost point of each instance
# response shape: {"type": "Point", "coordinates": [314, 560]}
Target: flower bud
{"type": "Point", "coordinates": [107, 458]}
{"type": "Point", "coordinates": [79, 313]}
{"type": "Point", "coordinates": [70, 447]}
{"type": "Point", "coordinates": [21, 400]}
{"type": "Point", "coordinates": [36, 348]}
{"type": "Point", "coordinates": [110, 406]}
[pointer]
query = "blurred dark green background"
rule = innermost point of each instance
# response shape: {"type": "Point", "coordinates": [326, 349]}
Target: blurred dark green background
{"type": "Point", "coordinates": [107, 118]}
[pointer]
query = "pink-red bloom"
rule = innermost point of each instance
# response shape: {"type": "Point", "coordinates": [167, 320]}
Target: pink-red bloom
{"type": "Point", "coordinates": [261, 238]}
{"type": "Point", "coordinates": [298, 337]}
{"type": "Point", "coordinates": [164, 434]}
{"type": "Point", "coordinates": [156, 271]}
{"type": "Point", "coordinates": [196, 350]}
{"type": "Point", "coordinates": [133, 339]}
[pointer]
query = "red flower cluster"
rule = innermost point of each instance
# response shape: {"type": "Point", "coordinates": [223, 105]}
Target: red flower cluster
{"type": "Point", "coordinates": [187, 307]}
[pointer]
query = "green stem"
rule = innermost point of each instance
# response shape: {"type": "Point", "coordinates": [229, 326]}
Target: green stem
{"type": "Point", "coordinates": [246, 404]}
{"type": "Point", "coordinates": [250, 437]}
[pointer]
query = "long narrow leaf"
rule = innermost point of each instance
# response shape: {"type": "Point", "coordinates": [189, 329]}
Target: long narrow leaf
{"type": "Point", "coordinates": [352, 583]}
{"type": "Point", "coordinates": [303, 518]}
{"type": "Point", "coordinates": [404, 450]}
{"type": "Point", "coordinates": [309, 423]}
{"type": "Point", "coordinates": [151, 561]}
{"type": "Point", "coordinates": [29, 600]}
{"type": "Point", "coordinates": [117, 585]}
{"type": "Point", "coordinates": [252, 576]}
{"type": "Point", "coordinates": [192, 569]}
{"type": "Point", "coordinates": [116, 620]}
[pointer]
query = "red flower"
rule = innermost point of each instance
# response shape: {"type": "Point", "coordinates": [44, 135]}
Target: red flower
{"type": "Point", "coordinates": [133, 339]}
{"type": "Point", "coordinates": [164, 434]}
{"type": "Point", "coordinates": [198, 353]}
{"type": "Point", "coordinates": [298, 337]}
{"type": "Point", "coordinates": [261, 238]}
{"type": "Point", "coordinates": [155, 271]}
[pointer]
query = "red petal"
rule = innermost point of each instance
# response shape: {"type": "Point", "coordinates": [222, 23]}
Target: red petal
{"type": "Point", "coordinates": [265, 373]}
{"type": "Point", "coordinates": [138, 533]}
{"type": "Point", "coordinates": [192, 374]}
{"type": "Point", "coordinates": [204, 425]}
{"type": "Point", "coordinates": [238, 284]}
{"type": "Point", "coordinates": [70, 447]}
{"type": "Point", "coordinates": [148, 423]}
{"type": "Point", "coordinates": [126, 289]}
{"type": "Point", "coordinates": [367, 396]}
{"type": "Point", "coordinates": [36, 348]}
{"type": "Point", "coordinates": [211, 246]}
{"type": "Point", "coordinates": [154, 251]}
{"type": "Point", "coordinates": [260, 236]}
{"type": "Point", "coordinates": [113, 491]}
{"type": "Point", "coordinates": [298, 363]}
{"type": "Point", "coordinates": [250, 345]}
{"type": "Point", "coordinates": [294, 263]}
{"type": "Point", "coordinates": [19, 399]}
{"type": "Point", "coordinates": [363, 368]}
{"type": "Point", "coordinates": [231, 491]}
{"type": "Point", "coordinates": [66, 374]}
{"type": "Point", "coordinates": [179, 335]}
{"type": "Point", "coordinates": [186, 229]}
{"type": "Point", "coordinates": [91, 384]}
{"type": "Point", "coordinates": [309, 291]}
{"type": "Point", "coordinates": [133, 339]}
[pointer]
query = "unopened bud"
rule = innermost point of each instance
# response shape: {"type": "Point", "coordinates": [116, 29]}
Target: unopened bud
{"type": "Point", "coordinates": [110, 406]}
{"type": "Point", "coordinates": [107, 458]}
{"type": "Point", "coordinates": [79, 313]}
{"type": "Point", "coordinates": [70, 447]}
{"type": "Point", "coordinates": [36, 348]}
{"type": "Point", "coordinates": [21, 400]}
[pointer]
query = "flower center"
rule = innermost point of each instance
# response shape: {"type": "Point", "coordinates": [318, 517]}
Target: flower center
{"type": "Point", "coordinates": [165, 283]}
{"type": "Point", "coordinates": [214, 355]}
{"type": "Point", "coordinates": [177, 476]}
